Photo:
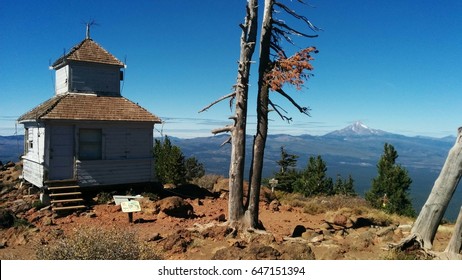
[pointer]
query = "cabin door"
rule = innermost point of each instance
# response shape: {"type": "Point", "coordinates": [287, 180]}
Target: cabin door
{"type": "Point", "coordinates": [61, 153]}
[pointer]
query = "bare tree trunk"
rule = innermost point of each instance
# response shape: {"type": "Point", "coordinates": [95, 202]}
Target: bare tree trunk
{"type": "Point", "coordinates": [238, 132]}
{"type": "Point", "coordinates": [455, 244]}
{"type": "Point", "coordinates": [432, 212]}
{"type": "Point", "coordinates": [262, 117]}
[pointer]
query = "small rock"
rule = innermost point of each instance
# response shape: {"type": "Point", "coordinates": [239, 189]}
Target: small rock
{"type": "Point", "coordinates": [221, 218]}
{"type": "Point", "coordinates": [318, 238]}
{"type": "Point", "coordinates": [154, 237]}
{"type": "Point", "coordinates": [47, 221]}
{"type": "Point", "coordinates": [274, 206]}
{"type": "Point", "coordinates": [297, 251]}
{"type": "Point", "coordinates": [91, 215]}
{"type": "Point", "coordinates": [169, 186]}
{"type": "Point", "coordinates": [340, 220]}
{"type": "Point", "coordinates": [307, 235]}
{"type": "Point", "coordinates": [385, 230]}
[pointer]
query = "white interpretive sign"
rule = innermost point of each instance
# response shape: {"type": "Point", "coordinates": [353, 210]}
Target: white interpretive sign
{"type": "Point", "coordinates": [118, 199]}
{"type": "Point", "coordinates": [130, 206]}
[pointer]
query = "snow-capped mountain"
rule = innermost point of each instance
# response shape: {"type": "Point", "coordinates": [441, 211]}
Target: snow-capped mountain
{"type": "Point", "coordinates": [357, 129]}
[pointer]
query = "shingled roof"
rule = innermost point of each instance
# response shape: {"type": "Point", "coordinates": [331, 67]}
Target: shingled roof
{"type": "Point", "coordinates": [89, 51]}
{"type": "Point", "coordinates": [90, 108]}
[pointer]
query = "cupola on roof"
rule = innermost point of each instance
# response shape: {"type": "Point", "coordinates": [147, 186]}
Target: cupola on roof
{"type": "Point", "coordinates": [88, 51]}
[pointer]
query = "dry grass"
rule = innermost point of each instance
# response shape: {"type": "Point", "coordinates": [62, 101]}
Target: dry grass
{"type": "Point", "coordinates": [97, 244]}
{"type": "Point", "coordinates": [320, 204]}
{"type": "Point", "coordinates": [341, 204]}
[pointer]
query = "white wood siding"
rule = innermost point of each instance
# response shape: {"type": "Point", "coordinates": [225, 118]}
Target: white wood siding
{"type": "Point", "coordinates": [61, 83]}
{"type": "Point", "coordinates": [95, 78]}
{"type": "Point", "coordinates": [33, 159]}
{"type": "Point", "coordinates": [127, 153]}
{"type": "Point", "coordinates": [113, 172]}
{"type": "Point", "coordinates": [127, 156]}
{"type": "Point", "coordinates": [33, 172]}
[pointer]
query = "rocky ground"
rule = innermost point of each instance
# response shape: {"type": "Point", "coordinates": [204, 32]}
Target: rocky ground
{"type": "Point", "coordinates": [190, 223]}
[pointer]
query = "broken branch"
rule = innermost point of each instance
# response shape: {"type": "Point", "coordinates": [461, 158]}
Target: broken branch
{"type": "Point", "coordinates": [304, 110]}
{"type": "Point", "coordinates": [231, 95]}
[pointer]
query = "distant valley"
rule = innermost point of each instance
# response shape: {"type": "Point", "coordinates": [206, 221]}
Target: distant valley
{"type": "Point", "coordinates": [353, 150]}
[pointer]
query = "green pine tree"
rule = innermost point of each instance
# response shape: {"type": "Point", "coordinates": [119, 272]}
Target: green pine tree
{"type": "Point", "coordinates": [344, 187]}
{"type": "Point", "coordinates": [287, 173]}
{"type": "Point", "coordinates": [314, 180]}
{"type": "Point", "coordinates": [194, 169]}
{"type": "Point", "coordinates": [169, 162]}
{"type": "Point", "coordinates": [390, 189]}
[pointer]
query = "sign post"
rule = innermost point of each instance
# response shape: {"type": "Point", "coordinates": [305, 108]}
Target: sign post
{"type": "Point", "coordinates": [273, 183]}
{"type": "Point", "coordinates": [130, 207]}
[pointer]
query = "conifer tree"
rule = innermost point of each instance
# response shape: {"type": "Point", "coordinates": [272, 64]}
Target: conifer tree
{"type": "Point", "coordinates": [287, 174]}
{"type": "Point", "coordinates": [344, 187]}
{"type": "Point", "coordinates": [390, 189]}
{"type": "Point", "coordinates": [314, 180]}
{"type": "Point", "coordinates": [193, 169]}
{"type": "Point", "coordinates": [169, 162]}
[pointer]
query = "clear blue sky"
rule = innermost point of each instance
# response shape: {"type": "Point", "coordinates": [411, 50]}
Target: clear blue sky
{"type": "Point", "coordinates": [395, 65]}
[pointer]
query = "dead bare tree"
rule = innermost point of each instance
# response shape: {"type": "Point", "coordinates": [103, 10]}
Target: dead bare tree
{"type": "Point", "coordinates": [246, 216]}
{"type": "Point", "coordinates": [238, 129]}
{"type": "Point", "coordinates": [269, 72]}
{"type": "Point", "coordinates": [426, 225]}
{"type": "Point", "coordinates": [454, 248]}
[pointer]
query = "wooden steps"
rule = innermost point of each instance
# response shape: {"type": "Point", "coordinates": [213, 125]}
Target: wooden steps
{"type": "Point", "coordinates": [63, 188]}
{"type": "Point", "coordinates": [73, 207]}
{"type": "Point", "coordinates": [65, 196]}
{"type": "Point", "coordinates": [67, 200]}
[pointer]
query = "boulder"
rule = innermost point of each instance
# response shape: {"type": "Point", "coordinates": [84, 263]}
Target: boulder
{"type": "Point", "coordinates": [175, 206]}
{"type": "Point", "coordinates": [252, 252]}
{"type": "Point", "coordinates": [296, 251]}
{"type": "Point", "coordinates": [177, 242]}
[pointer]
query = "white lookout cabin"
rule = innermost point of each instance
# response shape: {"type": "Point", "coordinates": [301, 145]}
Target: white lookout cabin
{"type": "Point", "coordinates": [87, 133]}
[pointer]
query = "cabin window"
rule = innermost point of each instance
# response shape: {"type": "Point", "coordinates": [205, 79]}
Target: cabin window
{"type": "Point", "coordinates": [28, 141]}
{"type": "Point", "coordinates": [90, 144]}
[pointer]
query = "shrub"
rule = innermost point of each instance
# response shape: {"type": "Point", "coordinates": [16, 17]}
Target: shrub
{"type": "Point", "coordinates": [151, 196]}
{"type": "Point", "coordinates": [6, 218]}
{"type": "Point", "coordinates": [18, 223]}
{"type": "Point", "coordinates": [97, 244]}
{"type": "Point", "coordinates": [38, 204]}
{"type": "Point", "coordinates": [104, 197]}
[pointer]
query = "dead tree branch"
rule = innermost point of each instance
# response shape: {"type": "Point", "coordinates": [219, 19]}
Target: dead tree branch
{"type": "Point", "coordinates": [277, 109]}
{"type": "Point", "coordinates": [227, 128]}
{"type": "Point", "coordinates": [304, 110]}
{"type": "Point", "coordinates": [297, 16]}
{"type": "Point", "coordinates": [231, 95]}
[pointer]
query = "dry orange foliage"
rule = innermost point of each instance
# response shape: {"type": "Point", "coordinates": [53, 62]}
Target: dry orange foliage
{"type": "Point", "coordinates": [290, 69]}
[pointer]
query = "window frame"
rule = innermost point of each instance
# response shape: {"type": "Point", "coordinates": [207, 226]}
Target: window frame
{"type": "Point", "coordinates": [90, 144]}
